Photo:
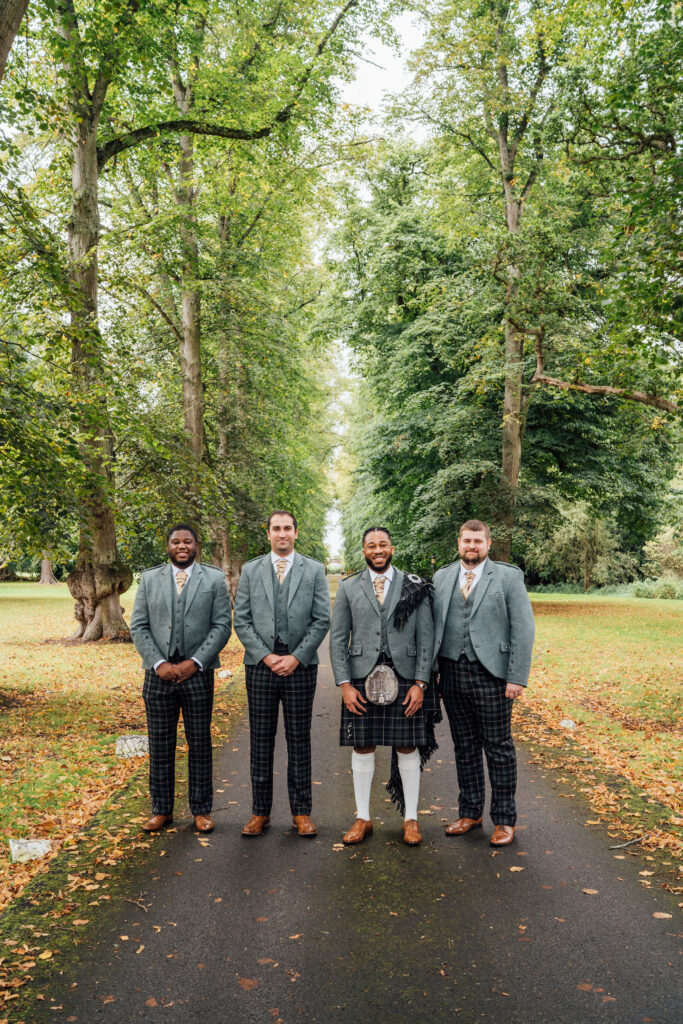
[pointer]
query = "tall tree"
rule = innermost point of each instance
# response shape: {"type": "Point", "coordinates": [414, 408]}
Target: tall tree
{"type": "Point", "coordinates": [11, 16]}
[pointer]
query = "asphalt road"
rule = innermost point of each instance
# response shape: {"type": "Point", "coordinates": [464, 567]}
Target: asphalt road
{"type": "Point", "coordinates": [280, 930]}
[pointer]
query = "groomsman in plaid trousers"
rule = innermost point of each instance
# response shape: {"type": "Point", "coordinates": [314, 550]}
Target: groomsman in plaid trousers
{"type": "Point", "coordinates": [180, 623]}
{"type": "Point", "coordinates": [282, 613]}
{"type": "Point", "coordinates": [484, 633]}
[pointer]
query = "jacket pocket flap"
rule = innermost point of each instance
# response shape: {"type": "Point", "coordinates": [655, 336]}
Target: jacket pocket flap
{"type": "Point", "coordinates": [505, 646]}
{"type": "Point", "coordinates": [412, 652]}
{"type": "Point", "coordinates": [355, 650]}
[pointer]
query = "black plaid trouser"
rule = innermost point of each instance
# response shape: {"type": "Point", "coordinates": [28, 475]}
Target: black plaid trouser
{"type": "Point", "coordinates": [479, 715]}
{"type": "Point", "coordinates": [265, 691]}
{"type": "Point", "coordinates": [164, 700]}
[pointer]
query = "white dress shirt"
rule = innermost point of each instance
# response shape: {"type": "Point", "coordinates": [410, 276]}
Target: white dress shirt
{"type": "Point", "coordinates": [289, 559]}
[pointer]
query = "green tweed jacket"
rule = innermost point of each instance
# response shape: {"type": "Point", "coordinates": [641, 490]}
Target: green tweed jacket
{"type": "Point", "coordinates": [308, 609]}
{"type": "Point", "coordinates": [355, 631]}
{"type": "Point", "coordinates": [501, 621]}
{"type": "Point", "coordinates": [207, 615]}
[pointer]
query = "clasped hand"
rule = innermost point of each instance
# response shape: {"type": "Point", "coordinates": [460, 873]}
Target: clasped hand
{"type": "Point", "coordinates": [177, 673]}
{"type": "Point", "coordinates": [281, 664]}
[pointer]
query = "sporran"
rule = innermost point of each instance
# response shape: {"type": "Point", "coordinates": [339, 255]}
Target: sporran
{"type": "Point", "coordinates": [381, 686]}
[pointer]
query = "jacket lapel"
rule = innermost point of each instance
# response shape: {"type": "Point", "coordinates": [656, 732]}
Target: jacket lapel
{"type": "Point", "coordinates": [481, 587]}
{"type": "Point", "coordinates": [193, 585]}
{"type": "Point", "coordinates": [266, 572]}
{"type": "Point", "coordinates": [369, 591]}
{"type": "Point", "coordinates": [394, 593]}
{"type": "Point", "coordinates": [296, 572]}
{"type": "Point", "coordinates": [449, 586]}
{"type": "Point", "coordinates": [166, 578]}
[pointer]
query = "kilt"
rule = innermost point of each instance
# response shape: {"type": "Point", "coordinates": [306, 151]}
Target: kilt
{"type": "Point", "coordinates": [384, 725]}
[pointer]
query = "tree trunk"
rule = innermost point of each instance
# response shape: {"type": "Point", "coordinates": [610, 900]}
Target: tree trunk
{"type": "Point", "coordinates": [190, 349]}
{"type": "Point", "coordinates": [47, 576]}
{"type": "Point", "coordinates": [11, 16]}
{"type": "Point", "coordinates": [223, 555]}
{"type": "Point", "coordinates": [99, 577]}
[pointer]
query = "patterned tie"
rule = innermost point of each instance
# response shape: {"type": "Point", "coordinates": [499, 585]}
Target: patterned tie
{"type": "Point", "coordinates": [378, 584]}
{"type": "Point", "coordinates": [180, 581]}
{"type": "Point", "coordinates": [469, 581]}
{"type": "Point", "coordinates": [281, 569]}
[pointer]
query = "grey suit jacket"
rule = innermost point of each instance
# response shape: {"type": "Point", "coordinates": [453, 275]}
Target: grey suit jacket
{"type": "Point", "coordinates": [501, 621]}
{"type": "Point", "coordinates": [308, 609]}
{"type": "Point", "coordinates": [207, 615]}
{"type": "Point", "coordinates": [355, 632]}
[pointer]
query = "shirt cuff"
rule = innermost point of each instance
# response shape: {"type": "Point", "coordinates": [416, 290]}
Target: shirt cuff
{"type": "Point", "coordinates": [342, 682]}
{"type": "Point", "coordinates": [198, 664]}
{"type": "Point", "coordinates": [156, 664]}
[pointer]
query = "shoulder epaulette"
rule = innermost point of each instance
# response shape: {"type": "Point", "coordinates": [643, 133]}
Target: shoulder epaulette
{"type": "Point", "coordinates": [256, 558]}
{"type": "Point", "coordinates": [351, 575]}
{"type": "Point", "coordinates": [447, 565]}
{"type": "Point", "coordinates": [210, 565]}
{"type": "Point", "coordinates": [151, 568]}
{"type": "Point", "coordinates": [508, 565]}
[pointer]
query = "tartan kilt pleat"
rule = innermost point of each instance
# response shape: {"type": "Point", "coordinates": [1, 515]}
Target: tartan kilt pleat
{"type": "Point", "coordinates": [384, 725]}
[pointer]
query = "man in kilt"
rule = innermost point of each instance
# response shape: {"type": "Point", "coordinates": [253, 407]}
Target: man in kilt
{"type": "Point", "coordinates": [383, 617]}
{"type": "Point", "coordinates": [484, 630]}
{"type": "Point", "coordinates": [282, 613]}
{"type": "Point", "coordinates": [180, 623]}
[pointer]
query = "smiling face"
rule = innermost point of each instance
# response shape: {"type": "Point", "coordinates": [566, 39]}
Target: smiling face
{"type": "Point", "coordinates": [377, 550]}
{"type": "Point", "coordinates": [282, 533]}
{"type": "Point", "coordinates": [182, 548]}
{"type": "Point", "coordinates": [473, 547]}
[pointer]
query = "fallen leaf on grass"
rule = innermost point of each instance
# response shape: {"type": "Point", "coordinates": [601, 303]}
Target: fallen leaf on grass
{"type": "Point", "coordinates": [139, 949]}
{"type": "Point", "coordinates": [516, 867]}
{"type": "Point", "coordinates": [81, 921]}
{"type": "Point", "coordinates": [151, 1001]}
{"type": "Point", "coordinates": [646, 872]}
{"type": "Point", "coordinates": [108, 999]}
{"type": "Point", "coordinates": [584, 986]}
{"type": "Point", "coordinates": [295, 936]}
{"type": "Point", "coordinates": [247, 983]}
{"type": "Point", "coordinates": [660, 915]}
{"type": "Point", "coordinates": [590, 892]}
{"type": "Point", "coordinates": [45, 955]}
{"type": "Point", "coordinates": [266, 960]}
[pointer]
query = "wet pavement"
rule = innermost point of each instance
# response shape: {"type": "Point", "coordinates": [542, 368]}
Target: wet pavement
{"type": "Point", "coordinates": [280, 929]}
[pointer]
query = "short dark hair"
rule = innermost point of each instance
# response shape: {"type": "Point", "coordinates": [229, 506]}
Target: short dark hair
{"type": "Point", "coordinates": [282, 512]}
{"type": "Point", "coordinates": [477, 526]}
{"type": "Point", "coordinates": [182, 526]}
{"type": "Point", "coordinates": [376, 529]}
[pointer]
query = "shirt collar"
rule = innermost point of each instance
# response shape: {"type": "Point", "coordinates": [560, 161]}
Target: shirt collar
{"type": "Point", "coordinates": [288, 558]}
{"type": "Point", "coordinates": [187, 570]}
{"type": "Point", "coordinates": [388, 575]}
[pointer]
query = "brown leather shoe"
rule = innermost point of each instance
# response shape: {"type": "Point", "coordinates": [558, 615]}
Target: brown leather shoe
{"type": "Point", "coordinates": [411, 832]}
{"type": "Point", "coordinates": [303, 825]}
{"type": "Point", "coordinates": [358, 832]}
{"type": "Point", "coordinates": [157, 822]}
{"type": "Point", "coordinates": [502, 835]}
{"type": "Point", "coordinates": [257, 825]}
{"type": "Point", "coordinates": [463, 825]}
{"type": "Point", "coordinates": [204, 823]}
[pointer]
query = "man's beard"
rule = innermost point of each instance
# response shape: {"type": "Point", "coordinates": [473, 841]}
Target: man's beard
{"type": "Point", "coordinates": [384, 567]}
{"type": "Point", "coordinates": [473, 560]}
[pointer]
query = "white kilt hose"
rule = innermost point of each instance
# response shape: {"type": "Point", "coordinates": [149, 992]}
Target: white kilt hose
{"type": "Point", "coordinates": [480, 717]}
{"type": "Point", "coordinates": [265, 692]}
{"type": "Point", "coordinates": [164, 700]}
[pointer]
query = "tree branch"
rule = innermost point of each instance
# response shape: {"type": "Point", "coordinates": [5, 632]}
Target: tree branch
{"type": "Point", "coordinates": [192, 127]}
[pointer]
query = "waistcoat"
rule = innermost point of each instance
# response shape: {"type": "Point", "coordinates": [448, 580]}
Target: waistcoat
{"type": "Point", "coordinates": [177, 642]}
{"type": "Point", "coordinates": [280, 600]}
{"type": "Point", "coordinates": [456, 634]}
